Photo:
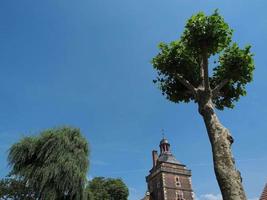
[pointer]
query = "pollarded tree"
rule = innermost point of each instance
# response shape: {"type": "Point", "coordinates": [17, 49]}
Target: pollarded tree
{"type": "Point", "coordinates": [183, 76]}
{"type": "Point", "coordinates": [54, 163]}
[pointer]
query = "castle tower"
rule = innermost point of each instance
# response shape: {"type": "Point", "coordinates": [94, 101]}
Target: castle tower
{"type": "Point", "coordinates": [168, 179]}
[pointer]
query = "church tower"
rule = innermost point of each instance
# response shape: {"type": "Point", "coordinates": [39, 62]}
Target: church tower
{"type": "Point", "coordinates": [168, 179]}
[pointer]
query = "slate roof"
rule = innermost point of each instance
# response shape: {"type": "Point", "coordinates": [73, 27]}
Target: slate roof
{"type": "Point", "coordinates": [169, 158]}
{"type": "Point", "coordinates": [264, 194]}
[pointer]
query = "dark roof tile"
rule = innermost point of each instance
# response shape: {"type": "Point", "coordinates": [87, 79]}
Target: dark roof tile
{"type": "Point", "coordinates": [264, 194]}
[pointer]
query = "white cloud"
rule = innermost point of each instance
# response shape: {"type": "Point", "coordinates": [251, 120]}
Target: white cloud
{"type": "Point", "coordinates": [210, 197]}
{"type": "Point", "coordinates": [216, 197]}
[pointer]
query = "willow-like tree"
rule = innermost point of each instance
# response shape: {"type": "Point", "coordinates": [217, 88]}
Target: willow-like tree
{"type": "Point", "coordinates": [16, 189]}
{"type": "Point", "coordinates": [53, 163]}
{"type": "Point", "coordinates": [183, 76]}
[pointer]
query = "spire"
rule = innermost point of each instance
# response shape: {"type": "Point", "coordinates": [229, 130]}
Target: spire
{"type": "Point", "coordinates": [165, 152]}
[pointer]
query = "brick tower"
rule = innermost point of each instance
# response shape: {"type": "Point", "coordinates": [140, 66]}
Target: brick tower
{"type": "Point", "coordinates": [168, 179]}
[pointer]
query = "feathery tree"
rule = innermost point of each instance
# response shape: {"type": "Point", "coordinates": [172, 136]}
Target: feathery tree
{"type": "Point", "coordinates": [183, 76]}
{"type": "Point", "coordinates": [16, 189]}
{"type": "Point", "coordinates": [55, 163]}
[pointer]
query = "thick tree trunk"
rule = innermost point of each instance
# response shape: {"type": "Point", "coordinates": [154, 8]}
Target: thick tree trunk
{"type": "Point", "coordinates": [228, 177]}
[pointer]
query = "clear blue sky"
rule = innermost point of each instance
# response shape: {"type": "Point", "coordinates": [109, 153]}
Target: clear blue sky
{"type": "Point", "coordinates": [86, 63]}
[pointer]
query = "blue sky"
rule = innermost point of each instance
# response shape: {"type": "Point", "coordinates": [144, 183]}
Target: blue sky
{"type": "Point", "coordinates": [86, 63]}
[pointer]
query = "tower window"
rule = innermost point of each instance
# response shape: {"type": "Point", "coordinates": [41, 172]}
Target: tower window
{"type": "Point", "coordinates": [177, 181]}
{"type": "Point", "coordinates": [179, 195]}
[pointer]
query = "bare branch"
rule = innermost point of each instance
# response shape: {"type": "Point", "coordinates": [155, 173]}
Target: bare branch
{"type": "Point", "coordinates": [187, 84]}
{"type": "Point", "coordinates": [216, 90]}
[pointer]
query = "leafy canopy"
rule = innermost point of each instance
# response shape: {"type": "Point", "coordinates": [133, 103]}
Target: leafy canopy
{"type": "Point", "coordinates": [212, 36]}
{"type": "Point", "coordinates": [101, 188]}
{"type": "Point", "coordinates": [55, 163]}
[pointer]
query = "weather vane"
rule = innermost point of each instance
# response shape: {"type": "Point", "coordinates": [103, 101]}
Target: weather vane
{"type": "Point", "coordinates": [163, 134]}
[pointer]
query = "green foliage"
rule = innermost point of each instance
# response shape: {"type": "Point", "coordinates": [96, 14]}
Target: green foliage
{"type": "Point", "coordinates": [210, 35]}
{"type": "Point", "coordinates": [236, 65]}
{"type": "Point", "coordinates": [207, 32]}
{"type": "Point", "coordinates": [101, 188]}
{"type": "Point", "coordinates": [55, 162]}
{"type": "Point", "coordinates": [117, 189]}
{"type": "Point", "coordinates": [16, 189]}
{"type": "Point", "coordinates": [96, 189]}
{"type": "Point", "coordinates": [175, 59]}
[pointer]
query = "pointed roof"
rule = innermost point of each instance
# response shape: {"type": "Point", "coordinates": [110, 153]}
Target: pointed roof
{"type": "Point", "coordinates": [264, 193]}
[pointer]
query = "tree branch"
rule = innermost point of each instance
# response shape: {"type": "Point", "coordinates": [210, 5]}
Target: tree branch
{"type": "Point", "coordinates": [216, 90]}
{"type": "Point", "coordinates": [201, 72]}
{"type": "Point", "coordinates": [187, 84]}
{"type": "Point", "coordinates": [205, 70]}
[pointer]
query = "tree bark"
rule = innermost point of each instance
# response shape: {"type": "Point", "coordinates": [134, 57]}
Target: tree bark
{"type": "Point", "coordinates": [228, 177]}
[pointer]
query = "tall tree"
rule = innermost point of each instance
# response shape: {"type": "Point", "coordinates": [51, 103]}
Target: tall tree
{"type": "Point", "coordinates": [55, 163]}
{"type": "Point", "coordinates": [183, 76]}
{"type": "Point", "coordinates": [101, 188]}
